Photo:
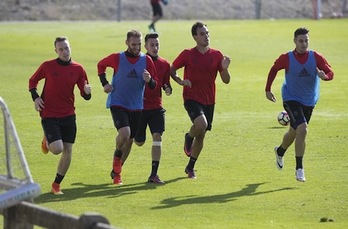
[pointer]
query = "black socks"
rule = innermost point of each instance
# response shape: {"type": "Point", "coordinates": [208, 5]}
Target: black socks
{"type": "Point", "coordinates": [281, 151]}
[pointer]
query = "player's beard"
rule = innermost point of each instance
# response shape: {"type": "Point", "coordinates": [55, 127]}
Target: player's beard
{"type": "Point", "coordinates": [135, 52]}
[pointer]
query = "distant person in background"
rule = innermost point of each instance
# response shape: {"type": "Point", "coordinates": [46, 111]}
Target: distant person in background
{"type": "Point", "coordinates": [153, 112]}
{"type": "Point", "coordinates": [300, 92]}
{"type": "Point", "coordinates": [157, 12]}
{"type": "Point", "coordinates": [56, 105]}
{"type": "Point", "coordinates": [201, 66]}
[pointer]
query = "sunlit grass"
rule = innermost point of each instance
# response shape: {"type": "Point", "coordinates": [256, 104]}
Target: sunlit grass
{"type": "Point", "coordinates": [238, 185]}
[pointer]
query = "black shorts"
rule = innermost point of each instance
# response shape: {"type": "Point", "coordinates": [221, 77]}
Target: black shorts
{"type": "Point", "coordinates": [157, 9]}
{"type": "Point", "coordinates": [195, 109]}
{"type": "Point", "coordinates": [60, 129]}
{"type": "Point", "coordinates": [298, 113]}
{"type": "Point", "coordinates": [152, 118]}
{"type": "Point", "coordinates": [122, 118]}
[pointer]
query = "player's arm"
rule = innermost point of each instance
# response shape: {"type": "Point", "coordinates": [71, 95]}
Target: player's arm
{"type": "Point", "coordinates": [109, 61]}
{"type": "Point", "coordinates": [271, 76]}
{"type": "Point", "coordinates": [83, 85]}
{"type": "Point", "coordinates": [33, 83]}
{"type": "Point", "coordinates": [225, 75]}
{"type": "Point", "coordinates": [175, 76]}
{"type": "Point", "coordinates": [86, 92]}
{"type": "Point", "coordinates": [323, 67]}
{"type": "Point", "coordinates": [281, 63]}
{"type": "Point", "coordinates": [150, 73]}
{"type": "Point", "coordinates": [85, 88]}
{"type": "Point", "coordinates": [177, 79]}
{"type": "Point", "coordinates": [179, 62]}
{"type": "Point", "coordinates": [166, 80]}
{"type": "Point", "coordinates": [87, 95]}
{"type": "Point", "coordinates": [167, 88]}
{"type": "Point", "coordinates": [148, 79]}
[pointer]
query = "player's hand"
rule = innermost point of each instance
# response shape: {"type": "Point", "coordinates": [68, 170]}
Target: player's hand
{"type": "Point", "coordinates": [225, 62]}
{"type": "Point", "coordinates": [186, 83]}
{"type": "Point", "coordinates": [270, 96]}
{"type": "Point", "coordinates": [146, 76]}
{"type": "Point", "coordinates": [39, 104]}
{"type": "Point", "coordinates": [168, 90]}
{"type": "Point", "coordinates": [321, 74]}
{"type": "Point", "coordinates": [87, 88]}
{"type": "Point", "coordinates": [108, 88]}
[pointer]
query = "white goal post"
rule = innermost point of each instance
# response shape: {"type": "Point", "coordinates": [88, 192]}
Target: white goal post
{"type": "Point", "coordinates": [16, 183]}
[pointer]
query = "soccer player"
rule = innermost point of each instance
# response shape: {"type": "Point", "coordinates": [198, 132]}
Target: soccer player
{"type": "Point", "coordinates": [300, 92]}
{"type": "Point", "coordinates": [153, 112]}
{"type": "Point", "coordinates": [201, 64]}
{"type": "Point", "coordinates": [157, 13]}
{"type": "Point", "coordinates": [132, 71]}
{"type": "Point", "coordinates": [56, 104]}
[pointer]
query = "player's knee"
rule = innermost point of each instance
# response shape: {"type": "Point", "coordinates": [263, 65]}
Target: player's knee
{"type": "Point", "coordinates": [201, 126]}
{"type": "Point", "coordinates": [56, 147]}
{"type": "Point", "coordinates": [201, 123]}
{"type": "Point", "coordinates": [139, 143]}
{"type": "Point", "coordinates": [56, 150]}
{"type": "Point", "coordinates": [157, 137]}
{"type": "Point", "coordinates": [122, 139]}
{"type": "Point", "coordinates": [302, 130]}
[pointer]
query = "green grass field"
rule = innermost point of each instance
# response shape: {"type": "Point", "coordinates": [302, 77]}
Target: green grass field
{"type": "Point", "coordinates": [237, 185]}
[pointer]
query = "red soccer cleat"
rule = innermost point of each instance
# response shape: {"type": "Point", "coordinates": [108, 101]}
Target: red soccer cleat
{"type": "Point", "coordinates": [56, 189]}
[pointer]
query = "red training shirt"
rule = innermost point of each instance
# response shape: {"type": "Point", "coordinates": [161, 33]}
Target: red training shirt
{"type": "Point", "coordinates": [153, 97]}
{"type": "Point", "coordinates": [201, 70]}
{"type": "Point", "coordinates": [58, 91]}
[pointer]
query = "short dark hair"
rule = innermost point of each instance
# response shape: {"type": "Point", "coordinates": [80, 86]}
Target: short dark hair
{"type": "Point", "coordinates": [151, 36]}
{"type": "Point", "coordinates": [133, 33]}
{"type": "Point", "coordinates": [59, 39]}
{"type": "Point", "coordinates": [301, 31]}
{"type": "Point", "coordinates": [195, 26]}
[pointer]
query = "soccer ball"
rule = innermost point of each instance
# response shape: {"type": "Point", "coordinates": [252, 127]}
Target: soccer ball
{"type": "Point", "coordinates": [283, 118]}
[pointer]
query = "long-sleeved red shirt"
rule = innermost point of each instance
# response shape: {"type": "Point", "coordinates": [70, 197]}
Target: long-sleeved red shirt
{"type": "Point", "coordinates": [153, 97]}
{"type": "Point", "coordinates": [283, 63]}
{"type": "Point", "coordinates": [58, 91]}
{"type": "Point", "coordinates": [113, 61]}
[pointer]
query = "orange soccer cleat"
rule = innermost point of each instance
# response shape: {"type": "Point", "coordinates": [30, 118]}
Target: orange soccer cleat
{"type": "Point", "coordinates": [44, 148]}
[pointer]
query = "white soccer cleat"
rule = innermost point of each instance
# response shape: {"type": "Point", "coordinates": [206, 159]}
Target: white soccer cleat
{"type": "Point", "coordinates": [300, 175]}
{"type": "Point", "coordinates": [279, 159]}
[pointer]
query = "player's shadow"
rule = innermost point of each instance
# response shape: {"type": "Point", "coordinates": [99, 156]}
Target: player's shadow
{"type": "Point", "coordinates": [277, 127]}
{"type": "Point", "coordinates": [249, 190]}
{"type": "Point", "coordinates": [109, 190]}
